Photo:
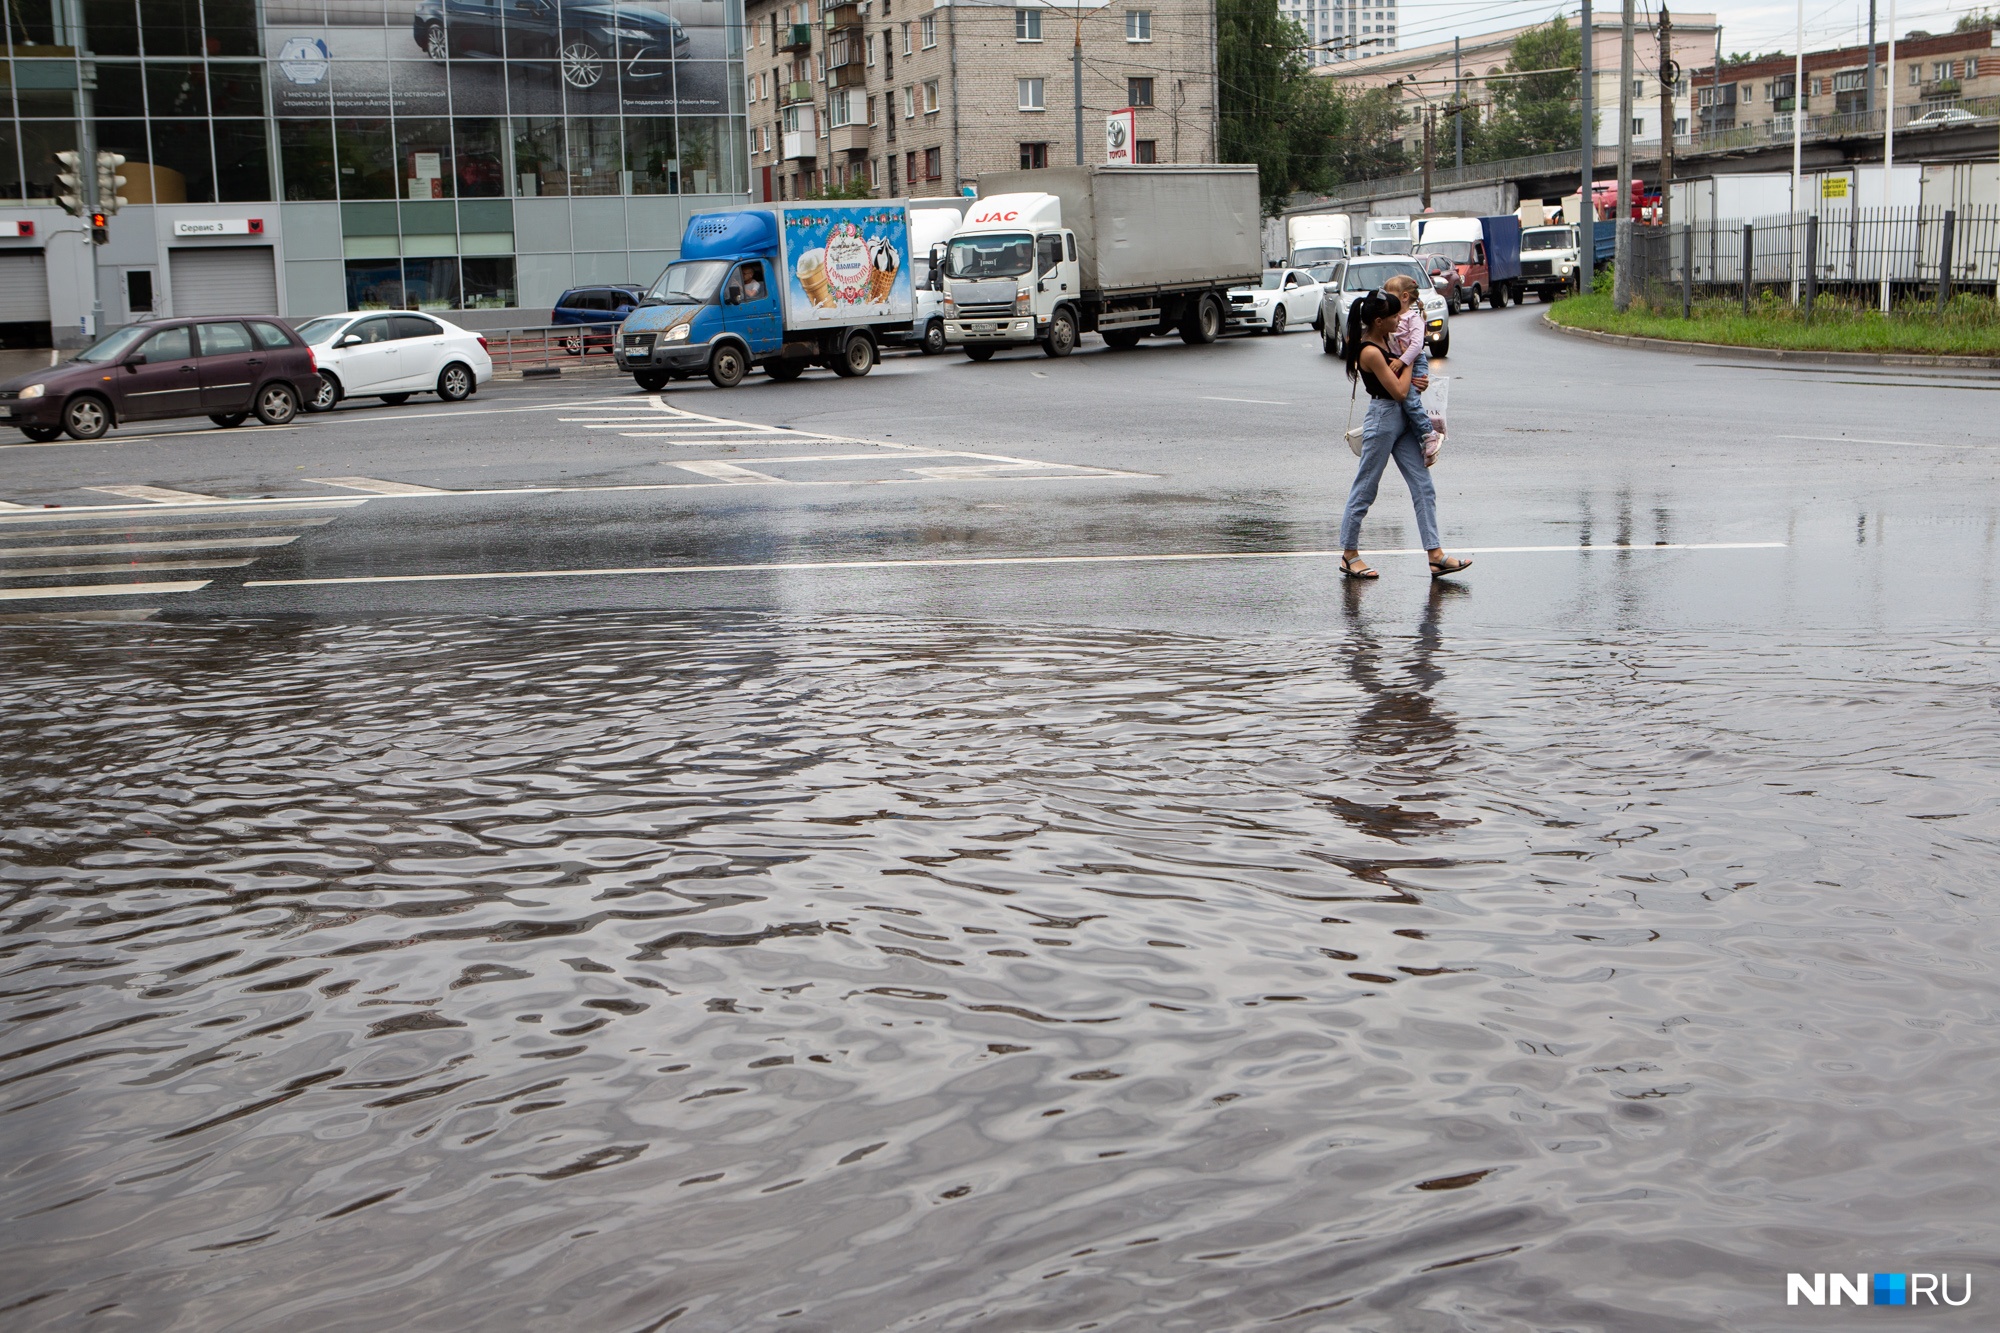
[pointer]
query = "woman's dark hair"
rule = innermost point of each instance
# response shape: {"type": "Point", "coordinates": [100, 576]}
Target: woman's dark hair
{"type": "Point", "coordinates": [1367, 308]}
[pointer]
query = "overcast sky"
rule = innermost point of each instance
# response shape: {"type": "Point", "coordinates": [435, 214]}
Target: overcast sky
{"type": "Point", "coordinates": [1757, 26]}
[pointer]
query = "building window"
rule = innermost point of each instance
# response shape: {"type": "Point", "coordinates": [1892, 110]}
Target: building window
{"type": "Point", "coordinates": [871, 111]}
{"type": "Point", "coordinates": [1916, 77]}
{"type": "Point", "coordinates": [930, 97]}
{"type": "Point", "coordinates": [1972, 67]}
{"type": "Point", "coordinates": [1145, 152]}
{"type": "Point", "coordinates": [929, 24]}
{"type": "Point", "coordinates": [1034, 156]}
{"type": "Point", "coordinates": [868, 44]}
{"type": "Point", "coordinates": [1638, 87]}
{"type": "Point", "coordinates": [1027, 25]}
{"type": "Point", "coordinates": [1028, 93]}
{"type": "Point", "coordinates": [906, 39]}
{"type": "Point", "coordinates": [843, 107]}
{"type": "Point", "coordinates": [933, 163]}
{"type": "Point", "coordinates": [910, 167]}
{"type": "Point", "coordinates": [909, 101]}
{"type": "Point", "coordinates": [1638, 127]}
{"type": "Point", "coordinates": [1138, 92]}
{"type": "Point", "coordinates": [1138, 25]}
{"type": "Point", "coordinates": [139, 291]}
{"type": "Point", "coordinates": [1680, 125]}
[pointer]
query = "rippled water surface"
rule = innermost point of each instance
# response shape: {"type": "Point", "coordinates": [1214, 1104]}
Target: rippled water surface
{"type": "Point", "coordinates": [625, 972]}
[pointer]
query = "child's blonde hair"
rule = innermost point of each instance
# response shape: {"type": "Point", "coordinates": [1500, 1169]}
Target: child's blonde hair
{"type": "Point", "coordinates": [1403, 285]}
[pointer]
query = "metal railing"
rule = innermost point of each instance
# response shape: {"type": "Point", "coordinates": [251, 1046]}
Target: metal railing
{"type": "Point", "coordinates": [543, 349]}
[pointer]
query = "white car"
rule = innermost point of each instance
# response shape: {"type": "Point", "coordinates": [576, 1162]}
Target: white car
{"type": "Point", "coordinates": [391, 354]}
{"type": "Point", "coordinates": [1287, 296]}
{"type": "Point", "coordinates": [1366, 274]}
{"type": "Point", "coordinates": [1944, 115]}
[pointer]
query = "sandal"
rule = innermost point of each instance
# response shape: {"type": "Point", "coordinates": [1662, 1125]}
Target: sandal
{"type": "Point", "coordinates": [1355, 568]}
{"type": "Point", "coordinates": [1449, 565]}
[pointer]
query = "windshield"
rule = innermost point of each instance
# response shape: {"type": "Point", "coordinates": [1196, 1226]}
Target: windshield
{"type": "Point", "coordinates": [112, 346]}
{"type": "Point", "coordinates": [1367, 277]}
{"type": "Point", "coordinates": [1324, 273]}
{"type": "Point", "coordinates": [316, 331]}
{"type": "Point", "coordinates": [691, 282]}
{"type": "Point", "coordinates": [1274, 278]}
{"type": "Point", "coordinates": [1458, 252]}
{"type": "Point", "coordinates": [1388, 247]}
{"type": "Point", "coordinates": [1310, 255]}
{"type": "Point", "coordinates": [1546, 240]}
{"type": "Point", "coordinates": [992, 256]}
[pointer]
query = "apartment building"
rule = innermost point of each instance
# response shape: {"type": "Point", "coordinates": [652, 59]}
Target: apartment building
{"type": "Point", "coordinates": [1338, 30]}
{"type": "Point", "coordinates": [911, 97]}
{"type": "Point", "coordinates": [1931, 74]}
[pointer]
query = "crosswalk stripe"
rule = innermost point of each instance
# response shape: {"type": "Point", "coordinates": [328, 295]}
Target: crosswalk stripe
{"type": "Point", "coordinates": [103, 590]}
{"type": "Point", "coordinates": [161, 494]}
{"type": "Point", "coordinates": [119, 548]}
{"type": "Point", "coordinates": [721, 471]}
{"type": "Point", "coordinates": [374, 487]}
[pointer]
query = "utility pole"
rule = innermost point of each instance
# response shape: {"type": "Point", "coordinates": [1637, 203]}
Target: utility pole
{"type": "Point", "coordinates": [1457, 121]}
{"type": "Point", "coordinates": [1586, 225]}
{"type": "Point", "coordinates": [1869, 105]}
{"type": "Point", "coordinates": [1621, 292]}
{"type": "Point", "coordinates": [1889, 142]}
{"type": "Point", "coordinates": [1430, 120]}
{"type": "Point", "coordinates": [1670, 74]}
{"type": "Point", "coordinates": [1076, 78]}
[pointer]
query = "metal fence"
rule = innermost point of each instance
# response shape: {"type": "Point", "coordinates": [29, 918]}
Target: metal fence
{"type": "Point", "coordinates": [1920, 252]}
{"type": "Point", "coordinates": [540, 349]}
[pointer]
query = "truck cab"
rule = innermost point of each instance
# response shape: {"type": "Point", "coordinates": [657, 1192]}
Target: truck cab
{"type": "Point", "coordinates": [722, 290]}
{"type": "Point", "coordinates": [1548, 260]}
{"type": "Point", "coordinates": [1012, 278]}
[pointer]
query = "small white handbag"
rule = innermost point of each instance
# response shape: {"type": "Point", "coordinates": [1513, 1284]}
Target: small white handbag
{"type": "Point", "coordinates": [1354, 432]}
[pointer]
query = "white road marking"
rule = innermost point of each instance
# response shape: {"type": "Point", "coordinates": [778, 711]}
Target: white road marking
{"type": "Point", "coordinates": [158, 494]}
{"type": "Point", "coordinates": [975, 561]}
{"type": "Point", "coordinates": [133, 567]}
{"type": "Point", "coordinates": [1855, 439]}
{"type": "Point", "coordinates": [244, 507]}
{"type": "Point", "coordinates": [103, 590]}
{"type": "Point", "coordinates": [1262, 402]}
{"type": "Point", "coordinates": [374, 487]}
{"type": "Point", "coordinates": [136, 437]}
{"type": "Point", "coordinates": [119, 548]}
{"type": "Point", "coordinates": [728, 472]}
{"type": "Point", "coordinates": [9, 504]}
{"type": "Point", "coordinates": [128, 613]}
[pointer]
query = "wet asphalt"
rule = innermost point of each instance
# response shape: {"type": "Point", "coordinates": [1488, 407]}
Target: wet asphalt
{"type": "Point", "coordinates": [1595, 487]}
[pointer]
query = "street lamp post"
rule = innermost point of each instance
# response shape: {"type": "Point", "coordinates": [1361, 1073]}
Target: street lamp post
{"type": "Point", "coordinates": [1586, 255]}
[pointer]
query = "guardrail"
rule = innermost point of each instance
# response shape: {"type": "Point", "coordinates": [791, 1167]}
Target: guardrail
{"type": "Point", "coordinates": [550, 349]}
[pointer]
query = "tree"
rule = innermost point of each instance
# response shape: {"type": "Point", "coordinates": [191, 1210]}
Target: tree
{"type": "Point", "coordinates": [1977, 20]}
{"type": "Point", "coordinates": [1273, 110]}
{"type": "Point", "coordinates": [1536, 113]}
{"type": "Point", "coordinates": [1372, 146]}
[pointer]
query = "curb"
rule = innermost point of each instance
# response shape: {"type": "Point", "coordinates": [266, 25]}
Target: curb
{"type": "Point", "coordinates": [1775, 353]}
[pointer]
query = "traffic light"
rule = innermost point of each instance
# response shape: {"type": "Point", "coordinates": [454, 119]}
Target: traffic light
{"type": "Point", "coordinates": [98, 234]}
{"type": "Point", "coordinates": [109, 181]}
{"type": "Point", "coordinates": [70, 197]}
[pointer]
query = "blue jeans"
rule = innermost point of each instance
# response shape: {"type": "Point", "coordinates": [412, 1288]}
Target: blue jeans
{"type": "Point", "coordinates": [1386, 432]}
{"type": "Point", "coordinates": [1413, 404]}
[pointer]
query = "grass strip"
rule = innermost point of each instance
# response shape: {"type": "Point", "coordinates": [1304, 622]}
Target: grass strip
{"type": "Point", "coordinates": [1969, 326]}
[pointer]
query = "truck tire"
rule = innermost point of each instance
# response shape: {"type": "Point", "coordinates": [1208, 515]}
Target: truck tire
{"type": "Point", "coordinates": [652, 381]}
{"type": "Point", "coordinates": [784, 370]}
{"type": "Point", "coordinates": [1122, 339]}
{"type": "Point", "coordinates": [727, 366]}
{"type": "Point", "coordinates": [857, 357]}
{"type": "Point", "coordinates": [980, 353]}
{"type": "Point", "coordinates": [1204, 323]}
{"type": "Point", "coordinates": [1062, 334]}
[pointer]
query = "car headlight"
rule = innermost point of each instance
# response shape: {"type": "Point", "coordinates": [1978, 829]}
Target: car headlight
{"type": "Point", "coordinates": [631, 34]}
{"type": "Point", "coordinates": [677, 334]}
{"type": "Point", "coordinates": [34, 391]}
{"type": "Point", "coordinates": [1021, 299]}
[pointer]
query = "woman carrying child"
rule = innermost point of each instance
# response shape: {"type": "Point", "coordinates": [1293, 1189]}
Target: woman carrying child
{"type": "Point", "coordinates": [1389, 430]}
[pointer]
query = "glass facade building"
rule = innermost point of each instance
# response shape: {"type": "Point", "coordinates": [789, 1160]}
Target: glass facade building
{"type": "Point", "coordinates": [449, 154]}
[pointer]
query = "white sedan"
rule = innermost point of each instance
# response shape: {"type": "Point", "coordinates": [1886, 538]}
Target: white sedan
{"type": "Point", "coordinates": [1287, 296]}
{"type": "Point", "coordinates": [393, 354]}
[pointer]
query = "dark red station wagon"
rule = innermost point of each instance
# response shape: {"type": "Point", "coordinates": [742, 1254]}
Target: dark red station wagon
{"type": "Point", "coordinates": [226, 369]}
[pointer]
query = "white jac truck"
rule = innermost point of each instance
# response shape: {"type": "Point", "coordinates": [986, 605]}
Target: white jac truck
{"type": "Point", "coordinates": [1046, 256]}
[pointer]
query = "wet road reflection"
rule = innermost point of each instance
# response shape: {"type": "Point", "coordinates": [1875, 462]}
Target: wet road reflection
{"type": "Point", "coordinates": [477, 972]}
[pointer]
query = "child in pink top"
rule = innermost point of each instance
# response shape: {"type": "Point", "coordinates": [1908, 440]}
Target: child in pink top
{"type": "Point", "coordinates": [1409, 346]}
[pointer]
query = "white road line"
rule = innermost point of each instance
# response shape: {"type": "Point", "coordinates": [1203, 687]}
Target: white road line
{"type": "Point", "coordinates": [158, 494]}
{"type": "Point", "coordinates": [374, 487]}
{"type": "Point", "coordinates": [1855, 439]}
{"type": "Point", "coordinates": [977, 561]}
{"type": "Point", "coordinates": [103, 590]}
{"type": "Point", "coordinates": [728, 472]}
{"type": "Point", "coordinates": [133, 567]}
{"type": "Point", "coordinates": [9, 504]}
{"type": "Point", "coordinates": [120, 548]}
{"type": "Point", "coordinates": [172, 526]}
{"type": "Point", "coordinates": [244, 507]}
{"type": "Point", "coordinates": [134, 438]}
{"type": "Point", "coordinates": [126, 613]}
{"type": "Point", "coordinates": [1262, 402]}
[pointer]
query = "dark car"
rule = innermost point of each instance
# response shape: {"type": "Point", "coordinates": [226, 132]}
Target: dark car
{"type": "Point", "coordinates": [226, 369]}
{"type": "Point", "coordinates": [600, 310]}
{"type": "Point", "coordinates": [586, 36]}
{"type": "Point", "coordinates": [1444, 279]}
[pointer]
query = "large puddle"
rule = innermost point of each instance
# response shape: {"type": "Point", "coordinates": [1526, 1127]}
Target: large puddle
{"type": "Point", "coordinates": [626, 972]}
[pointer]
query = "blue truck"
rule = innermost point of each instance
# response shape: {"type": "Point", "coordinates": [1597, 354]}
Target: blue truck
{"type": "Point", "coordinates": [1486, 251]}
{"type": "Point", "coordinates": [781, 286]}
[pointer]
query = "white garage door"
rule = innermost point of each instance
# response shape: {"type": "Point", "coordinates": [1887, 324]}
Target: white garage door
{"type": "Point", "coordinates": [224, 280]}
{"type": "Point", "coordinates": [24, 289]}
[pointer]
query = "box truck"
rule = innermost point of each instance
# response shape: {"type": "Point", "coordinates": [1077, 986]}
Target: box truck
{"type": "Point", "coordinates": [1486, 251]}
{"type": "Point", "coordinates": [932, 224]}
{"type": "Point", "coordinates": [1046, 256]}
{"type": "Point", "coordinates": [1318, 238]}
{"type": "Point", "coordinates": [779, 286]}
{"type": "Point", "coordinates": [1386, 236]}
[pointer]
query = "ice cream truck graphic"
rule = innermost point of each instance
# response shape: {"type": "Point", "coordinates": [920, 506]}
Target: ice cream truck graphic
{"type": "Point", "coordinates": [782, 287]}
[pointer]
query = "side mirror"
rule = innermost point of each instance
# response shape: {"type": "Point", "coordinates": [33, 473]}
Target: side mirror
{"type": "Point", "coordinates": [350, 340]}
{"type": "Point", "coordinates": [134, 361]}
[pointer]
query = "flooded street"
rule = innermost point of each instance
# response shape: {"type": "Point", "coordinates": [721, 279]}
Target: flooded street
{"type": "Point", "coordinates": [724, 971]}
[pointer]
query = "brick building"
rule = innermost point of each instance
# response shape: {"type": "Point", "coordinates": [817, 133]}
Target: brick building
{"type": "Point", "coordinates": [917, 98]}
{"type": "Point", "coordinates": [1931, 74]}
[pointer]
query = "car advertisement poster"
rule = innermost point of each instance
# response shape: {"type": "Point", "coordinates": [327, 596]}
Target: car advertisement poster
{"type": "Point", "coordinates": [498, 57]}
{"type": "Point", "coordinates": [847, 264]}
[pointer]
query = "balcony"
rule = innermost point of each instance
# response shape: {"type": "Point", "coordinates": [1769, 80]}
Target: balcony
{"type": "Point", "coordinates": [843, 16]}
{"type": "Point", "coordinates": [798, 90]}
{"type": "Point", "coordinates": [795, 37]}
{"type": "Point", "coordinates": [801, 144]}
{"type": "Point", "coordinates": [850, 75]}
{"type": "Point", "coordinates": [848, 138]}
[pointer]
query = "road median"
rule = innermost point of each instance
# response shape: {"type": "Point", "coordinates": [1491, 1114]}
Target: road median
{"type": "Point", "coordinates": [1966, 337]}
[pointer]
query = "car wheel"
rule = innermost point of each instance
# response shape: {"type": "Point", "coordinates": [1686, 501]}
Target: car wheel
{"type": "Point", "coordinates": [980, 353]}
{"type": "Point", "coordinates": [582, 63]}
{"type": "Point", "coordinates": [436, 44]}
{"type": "Point", "coordinates": [228, 419]}
{"type": "Point", "coordinates": [1278, 322]}
{"type": "Point", "coordinates": [1062, 334]}
{"type": "Point", "coordinates": [727, 366]}
{"type": "Point", "coordinates": [933, 342]}
{"type": "Point", "coordinates": [573, 345]}
{"type": "Point", "coordinates": [86, 418]}
{"type": "Point", "coordinates": [455, 383]}
{"type": "Point", "coordinates": [276, 404]}
{"type": "Point", "coordinates": [326, 396]}
{"type": "Point", "coordinates": [784, 371]}
{"type": "Point", "coordinates": [652, 381]}
{"type": "Point", "coordinates": [41, 434]}
{"type": "Point", "coordinates": [856, 358]}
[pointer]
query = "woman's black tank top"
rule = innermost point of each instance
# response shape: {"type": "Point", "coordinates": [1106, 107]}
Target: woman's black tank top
{"type": "Point", "coordinates": [1370, 383]}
